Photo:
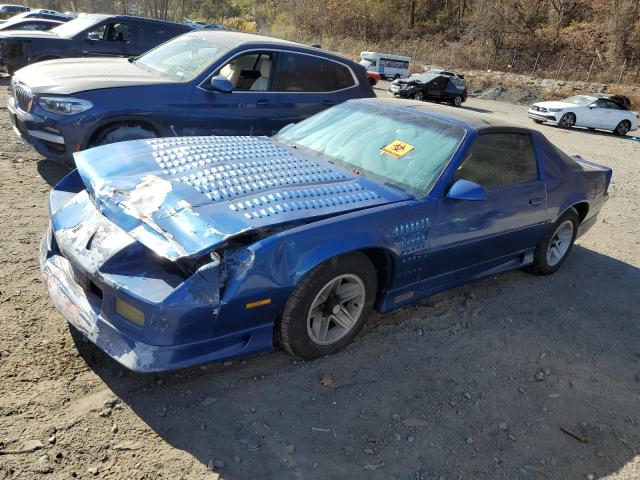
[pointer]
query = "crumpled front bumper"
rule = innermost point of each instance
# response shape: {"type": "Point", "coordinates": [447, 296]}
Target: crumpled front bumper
{"type": "Point", "coordinates": [79, 307]}
{"type": "Point", "coordinates": [91, 268]}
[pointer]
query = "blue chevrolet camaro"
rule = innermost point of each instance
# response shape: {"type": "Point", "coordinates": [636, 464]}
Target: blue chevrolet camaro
{"type": "Point", "coordinates": [172, 252]}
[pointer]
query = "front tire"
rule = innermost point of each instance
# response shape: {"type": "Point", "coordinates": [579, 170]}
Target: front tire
{"type": "Point", "coordinates": [328, 307]}
{"type": "Point", "coordinates": [623, 128]}
{"type": "Point", "coordinates": [567, 120]}
{"type": "Point", "coordinates": [418, 95]}
{"type": "Point", "coordinates": [122, 133]}
{"type": "Point", "coordinates": [554, 249]}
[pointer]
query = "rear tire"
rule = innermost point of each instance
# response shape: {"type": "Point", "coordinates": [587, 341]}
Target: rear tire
{"type": "Point", "coordinates": [419, 95]}
{"type": "Point", "coordinates": [623, 128]}
{"type": "Point", "coordinates": [457, 101]}
{"type": "Point", "coordinates": [396, 76]}
{"type": "Point", "coordinates": [328, 307]}
{"type": "Point", "coordinates": [567, 120]}
{"type": "Point", "coordinates": [553, 250]}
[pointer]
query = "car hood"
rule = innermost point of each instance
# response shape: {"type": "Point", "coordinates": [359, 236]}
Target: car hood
{"type": "Point", "coordinates": [182, 197]}
{"type": "Point", "coordinates": [557, 104]}
{"type": "Point", "coordinates": [29, 34]}
{"type": "Point", "coordinates": [72, 75]}
{"type": "Point", "coordinates": [406, 82]}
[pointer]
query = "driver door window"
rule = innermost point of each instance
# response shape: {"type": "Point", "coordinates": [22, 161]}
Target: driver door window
{"type": "Point", "coordinates": [497, 160]}
{"type": "Point", "coordinates": [251, 72]}
{"type": "Point", "coordinates": [112, 32]}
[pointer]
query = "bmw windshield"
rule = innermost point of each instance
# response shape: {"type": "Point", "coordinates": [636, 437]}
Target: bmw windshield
{"type": "Point", "coordinates": [78, 25]}
{"type": "Point", "coordinates": [390, 145]}
{"type": "Point", "coordinates": [182, 58]}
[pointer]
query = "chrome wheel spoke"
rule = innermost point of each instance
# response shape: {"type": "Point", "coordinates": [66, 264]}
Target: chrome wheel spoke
{"type": "Point", "coordinates": [343, 319]}
{"type": "Point", "coordinates": [323, 328]}
{"type": "Point", "coordinates": [348, 292]}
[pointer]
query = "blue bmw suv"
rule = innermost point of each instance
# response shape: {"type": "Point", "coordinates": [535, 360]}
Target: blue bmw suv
{"type": "Point", "coordinates": [201, 83]}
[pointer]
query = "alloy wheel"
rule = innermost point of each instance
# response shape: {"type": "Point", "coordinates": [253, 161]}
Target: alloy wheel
{"type": "Point", "coordinates": [560, 243]}
{"type": "Point", "coordinates": [336, 309]}
{"type": "Point", "coordinates": [568, 120]}
{"type": "Point", "coordinates": [622, 128]}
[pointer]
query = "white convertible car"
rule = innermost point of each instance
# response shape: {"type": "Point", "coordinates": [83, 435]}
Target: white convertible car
{"type": "Point", "coordinates": [607, 112]}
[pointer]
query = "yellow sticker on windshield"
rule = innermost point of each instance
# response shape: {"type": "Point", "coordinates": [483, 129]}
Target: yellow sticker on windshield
{"type": "Point", "coordinates": [398, 148]}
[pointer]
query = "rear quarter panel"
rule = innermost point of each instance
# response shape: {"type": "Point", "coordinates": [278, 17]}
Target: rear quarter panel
{"type": "Point", "coordinates": [568, 186]}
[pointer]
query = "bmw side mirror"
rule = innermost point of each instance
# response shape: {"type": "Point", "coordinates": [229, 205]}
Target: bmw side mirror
{"type": "Point", "coordinates": [221, 84]}
{"type": "Point", "coordinates": [466, 190]}
{"type": "Point", "coordinates": [592, 106]}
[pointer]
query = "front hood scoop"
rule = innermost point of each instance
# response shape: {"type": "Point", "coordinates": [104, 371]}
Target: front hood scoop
{"type": "Point", "coordinates": [181, 197]}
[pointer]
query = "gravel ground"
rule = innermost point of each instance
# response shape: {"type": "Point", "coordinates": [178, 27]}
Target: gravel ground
{"type": "Point", "coordinates": [512, 377]}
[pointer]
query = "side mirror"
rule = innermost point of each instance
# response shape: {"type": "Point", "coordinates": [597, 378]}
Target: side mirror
{"type": "Point", "coordinates": [466, 190]}
{"type": "Point", "coordinates": [592, 106]}
{"type": "Point", "coordinates": [221, 84]}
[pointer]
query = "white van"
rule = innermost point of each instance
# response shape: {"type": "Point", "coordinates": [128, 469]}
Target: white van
{"type": "Point", "coordinates": [387, 65]}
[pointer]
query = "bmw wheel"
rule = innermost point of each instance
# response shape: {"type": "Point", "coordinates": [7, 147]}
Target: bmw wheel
{"type": "Point", "coordinates": [567, 120]}
{"type": "Point", "coordinates": [623, 128]}
{"type": "Point", "coordinates": [328, 307]}
{"type": "Point", "coordinates": [554, 249]}
{"type": "Point", "coordinates": [121, 133]}
{"type": "Point", "coordinates": [418, 95]}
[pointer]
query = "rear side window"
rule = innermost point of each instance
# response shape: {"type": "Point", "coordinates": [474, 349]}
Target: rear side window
{"type": "Point", "coordinates": [566, 159]}
{"type": "Point", "coordinates": [499, 159]}
{"type": "Point", "coordinates": [307, 73]}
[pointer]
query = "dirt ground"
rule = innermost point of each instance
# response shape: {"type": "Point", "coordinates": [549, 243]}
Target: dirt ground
{"type": "Point", "coordinates": [512, 377]}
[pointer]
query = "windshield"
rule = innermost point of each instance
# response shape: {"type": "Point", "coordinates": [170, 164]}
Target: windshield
{"type": "Point", "coordinates": [182, 58]}
{"type": "Point", "coordinates": [76, 26]}
{"type": "Point", "coordinates": [389, 145]}
{"type": "Point", "coordinates": [422, 77]}
{"type": "Point", "coordinates": [580, 100]}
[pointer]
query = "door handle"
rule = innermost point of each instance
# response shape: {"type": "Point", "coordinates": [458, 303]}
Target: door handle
{"type": "Point", "coordinates": [535, 201]}
{"type": "Point", "coordinates": [263, 103]}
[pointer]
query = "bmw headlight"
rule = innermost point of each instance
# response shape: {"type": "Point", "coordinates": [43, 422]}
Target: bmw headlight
{"type": "Point", "coordinates": [555, 109]}
{"type": "Point", "coordinates": [64, 105]}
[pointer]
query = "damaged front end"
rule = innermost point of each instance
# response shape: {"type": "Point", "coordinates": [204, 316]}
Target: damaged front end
{"type": "Point", "coordinates": [145, 311]}
{"type": "Point", "coordinates": [151, 243]}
